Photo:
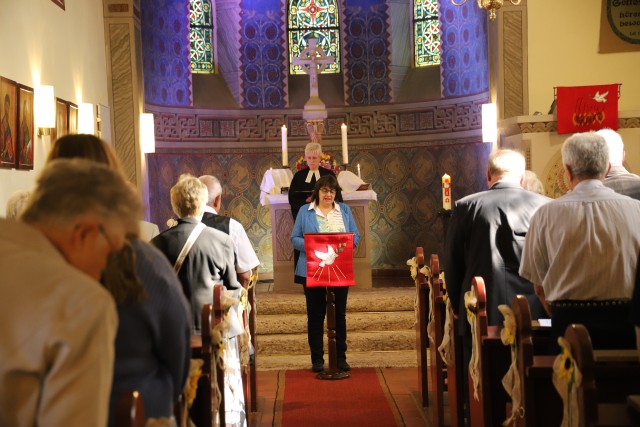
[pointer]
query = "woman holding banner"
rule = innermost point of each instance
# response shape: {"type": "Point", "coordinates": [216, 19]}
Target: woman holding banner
{"type": "Point", "coordinates": [325, 214]}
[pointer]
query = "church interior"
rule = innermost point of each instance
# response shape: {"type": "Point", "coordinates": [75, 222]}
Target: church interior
{"type": "Point", "coordinates": [408, 123]}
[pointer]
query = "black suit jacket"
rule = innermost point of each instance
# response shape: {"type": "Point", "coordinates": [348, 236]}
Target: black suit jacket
{"type": "Point", "coordinates": [485, 238]}
{"type": "Point", "coordinates": [210, 261]}
{"type": "Point", "coordinates": [299, 190]}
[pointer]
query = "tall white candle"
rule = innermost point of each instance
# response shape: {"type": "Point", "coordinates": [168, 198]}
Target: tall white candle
{"type": "Point", "coordinates": [359, 171]}
{"type": "Point", "coordinates": [446, 192]}
{"type": "Point", "coordinates": [285, 154]}
{"type": "Point", "coordinates": [345, 149]}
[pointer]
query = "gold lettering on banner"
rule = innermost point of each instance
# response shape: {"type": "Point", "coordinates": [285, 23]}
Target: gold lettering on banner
{"type": "Point", "coordinates": [119, 8]}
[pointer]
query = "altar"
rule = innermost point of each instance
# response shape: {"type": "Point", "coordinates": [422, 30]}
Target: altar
{"type": "Point", "coordinates": [282, 224]}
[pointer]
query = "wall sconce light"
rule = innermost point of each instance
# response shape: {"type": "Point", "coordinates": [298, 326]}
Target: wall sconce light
{"type": "Point", "coordinates": [489, 123]}
{"type": "Point", "coordinates": [86, 119]}
{"type": "Point", "coordinates": [147, 134]}
{"type": "Point", "coordinates": [489, 5]}
{"type": "Point", "coordinates": [44, 109]}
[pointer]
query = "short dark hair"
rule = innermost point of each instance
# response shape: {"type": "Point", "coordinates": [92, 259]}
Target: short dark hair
{"type": "Point", "coordinates": [328, 181]}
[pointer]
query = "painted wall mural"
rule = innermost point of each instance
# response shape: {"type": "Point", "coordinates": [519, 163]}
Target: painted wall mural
{"type": "Point", "coordinates": [165, 52]}
{"type": "Point", "coordinates": [406, 178]}
{"type": "Point", "coordinates": [367, 53]}
{"type": "Point", "coordinates": [464, 62]}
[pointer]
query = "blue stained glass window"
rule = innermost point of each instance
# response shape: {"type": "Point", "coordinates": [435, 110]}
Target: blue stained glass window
{"type": "Point", "coordinates": [426, 33]}
{"type": "Point", "coordinates": [314, 19]}
{"type": "Point", "coordinates": [201, 36]}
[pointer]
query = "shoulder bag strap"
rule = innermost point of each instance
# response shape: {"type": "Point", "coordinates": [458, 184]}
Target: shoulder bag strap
{"type": "Point", "coordinates": [187, 246]}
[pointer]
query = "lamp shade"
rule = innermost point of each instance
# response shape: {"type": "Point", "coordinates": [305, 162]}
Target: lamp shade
{"type": "Point", "coordinates": [44, 107]}
{"type": "Point", "coordinates": [86, 119]}
{"type": "Point", "coordinates": [147, 133]}
{"type": "Point", "coordinates": [489, 123]}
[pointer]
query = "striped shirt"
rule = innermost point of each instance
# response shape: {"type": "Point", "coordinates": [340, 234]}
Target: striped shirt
{"type": "Point", "coordinates": [584, 245]}
{"type": "Point", "coordinates": [333, 222]}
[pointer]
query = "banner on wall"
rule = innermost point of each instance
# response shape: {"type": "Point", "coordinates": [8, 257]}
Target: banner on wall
{"type": "Point", "coordinates": [329, 259]}
{"type": "Point", "coordinates": [585, 108]}
{"type": "Point", "coordinates": [620, 26]}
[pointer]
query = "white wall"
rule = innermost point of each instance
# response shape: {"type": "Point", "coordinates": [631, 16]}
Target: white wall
{"type": "Point", "coordinates": [43, 44]}
{"type": "Point", "coordinates": [563, 51]}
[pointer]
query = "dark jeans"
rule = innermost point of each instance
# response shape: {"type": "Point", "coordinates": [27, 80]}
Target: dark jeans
{"type": "Point", "coordinates": [316, 309]}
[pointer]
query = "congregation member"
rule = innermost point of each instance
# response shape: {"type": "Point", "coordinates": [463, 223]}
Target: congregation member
{"type": "Point", "coordinates": [202, 256]}
{"type": "Point", "coordinates": [325, 214]}
{"type": "Point", "coordinates": [59, 323]}
{"type": "Point", "coordinates": [582, 248]}
{"type": "Point", "coordinates": [302, 185]}
{"type": "Point", "coordinates": [531, 182]}
{"type": "Point", "coordinates": [618, 178]}
{"type": "Point", "coordinates": [152, 308]}
{"type": "Point", "coordinates": [246, 258]}
{"type": "Point", "coordinates": [485, 238]}
{"type": "Point", "coordinates": [17, 201]}
{"type": "Point", "coordinates": [634, 311]}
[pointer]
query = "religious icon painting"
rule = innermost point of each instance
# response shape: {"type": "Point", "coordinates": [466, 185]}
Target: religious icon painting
{"type": "Point", "coordinates": [73, 118]}
{"type": "Point", "coordinates": [329, 259]}
{"type": "Point", "coordinates": [8, 118]}
{"type": "Point", "coordinates": [62, 119]}
{"type": "Point", "coordinates": [25, 127]}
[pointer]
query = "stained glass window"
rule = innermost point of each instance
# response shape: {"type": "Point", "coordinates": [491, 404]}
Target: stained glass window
{"type": "Point", "coordinates": [314, 19]}
{"type": "Point", "coordinates": [201, 36]}
{"type": "Point", "coordinates": [426, 33]}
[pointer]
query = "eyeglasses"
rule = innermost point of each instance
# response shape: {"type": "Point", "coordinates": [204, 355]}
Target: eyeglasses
{"type": "Point", "coordinates": [327, 191]}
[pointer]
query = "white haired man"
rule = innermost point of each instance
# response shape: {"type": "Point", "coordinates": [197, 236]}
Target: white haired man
{"type": "Point", "coordinates": [59, 323]}
{"type": "Point", "coordinates": [246, 258]}
{"type": "Point", "coordinates": [619, 179]}
{"type": "Point", "coordinates": [582, 248]}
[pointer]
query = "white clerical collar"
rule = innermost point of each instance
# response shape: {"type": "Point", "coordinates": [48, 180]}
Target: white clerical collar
{"type": "Point", "coordinates": [311, 173]}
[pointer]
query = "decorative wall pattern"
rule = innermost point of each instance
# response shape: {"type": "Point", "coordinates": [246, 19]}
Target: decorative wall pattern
{"type": "Point", "coordinates": [367, 44]}
{"type": "Point", "coordinates": [406, 178]}
{"type": "Point", "coordinates": [465, 65]}
{"type": "Point", "coordinates": [186, 125]}
{"type": "Point", "coordinates": [262, 54]}
{"type": "Point", "coordinates": [165, 57]}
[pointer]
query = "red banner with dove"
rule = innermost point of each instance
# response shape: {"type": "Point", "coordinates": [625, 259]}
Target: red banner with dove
{"type": "Point", "coordinates": [329, 259]}
{"type": "Point", "coordinates": [585, 108]}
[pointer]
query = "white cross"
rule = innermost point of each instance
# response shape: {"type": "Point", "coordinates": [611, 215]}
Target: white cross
{"type": "Point", "coordinates": [313, 60]}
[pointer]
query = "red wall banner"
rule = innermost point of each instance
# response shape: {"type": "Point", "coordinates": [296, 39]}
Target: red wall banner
{"type": "Point", "coordinates": [585, 108]}
{"type": "Point", "coordinates": [329, 259]}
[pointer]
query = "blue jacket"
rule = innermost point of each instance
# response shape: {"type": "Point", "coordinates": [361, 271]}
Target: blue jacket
{"type": "Point", "coordinates": [306, 222]}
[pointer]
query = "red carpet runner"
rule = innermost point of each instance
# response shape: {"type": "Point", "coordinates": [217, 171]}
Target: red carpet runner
{"type": "Point", "coordinates": [356, 401]}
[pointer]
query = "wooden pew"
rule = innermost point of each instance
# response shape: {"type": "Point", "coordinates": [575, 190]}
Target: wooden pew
{"type": "Point", "coordinates": [437, 365]}
{"type": "Point", "coordinates": [422, 341]}
{"type": "Point", "coordinates": [489, 409]}
{"type": "Point", "coordinates": [541, 405]}
{"type": "Point", "coordinates": [130, 410]}
{"type": "Point", "coordinates": [455, 380]}
{"type": "Point", "coordinates": [606, 384]}
{"type": "Point", "coordinates": [205, 407]}
{"type": "Point", "coordinates": [249, 379]}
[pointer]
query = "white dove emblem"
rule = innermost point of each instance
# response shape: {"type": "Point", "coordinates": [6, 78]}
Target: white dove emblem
{"type": "Point", "coordinates": [327, 257]}
{"type": "Point", "coordinates": [600, 97]}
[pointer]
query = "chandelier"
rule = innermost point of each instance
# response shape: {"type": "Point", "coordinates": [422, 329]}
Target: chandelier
{"type": "Point", "coordinates": [490, 5]}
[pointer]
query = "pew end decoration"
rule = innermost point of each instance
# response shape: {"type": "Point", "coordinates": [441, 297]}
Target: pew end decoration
{"type": "Point", "coordinates": [566, 379]}
{"type": "Point", "coordinates": [511, 380]}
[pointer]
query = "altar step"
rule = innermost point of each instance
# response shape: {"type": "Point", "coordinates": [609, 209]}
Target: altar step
{"type": "Point", "coordinates": [380, 329]}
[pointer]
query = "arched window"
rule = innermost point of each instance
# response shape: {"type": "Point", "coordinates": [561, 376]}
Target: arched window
{"type": "Point", "coordinates": [318, 19]}
{"type": "Point", "coordinates": [426, 33]}
{"type": "Point", "coordinates": [201, 36]}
